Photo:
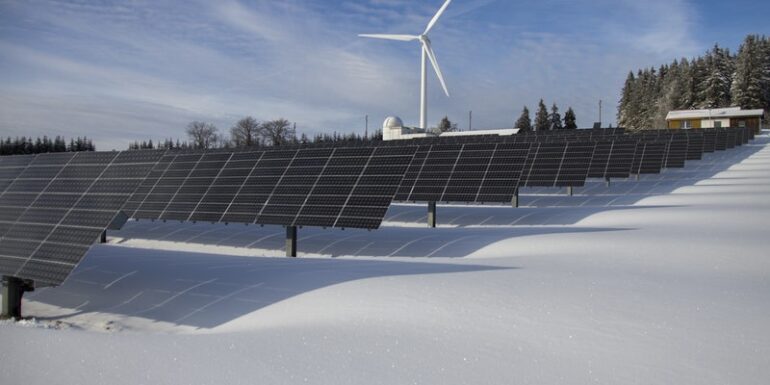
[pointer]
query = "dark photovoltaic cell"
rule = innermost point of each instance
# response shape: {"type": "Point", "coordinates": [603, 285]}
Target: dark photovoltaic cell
{"type": "Point", "coordinates": [59, 205]}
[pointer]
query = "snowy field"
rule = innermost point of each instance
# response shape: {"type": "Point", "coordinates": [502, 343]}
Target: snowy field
{"type": "Point", "coordinates": [661, 281]}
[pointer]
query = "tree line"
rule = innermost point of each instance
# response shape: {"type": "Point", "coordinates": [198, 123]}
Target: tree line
{"type": "Point", "coordinates": [248, 132]}
{"type": "Point", "coordinates": [715, 80]}
{"type": "Point", "coordinates": [545, 120]}
{"type": "Point", "coordinates": [28, 145]}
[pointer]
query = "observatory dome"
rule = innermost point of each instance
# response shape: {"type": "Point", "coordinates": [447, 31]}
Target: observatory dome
{"type": "Point", "coordinates": [392, 122]}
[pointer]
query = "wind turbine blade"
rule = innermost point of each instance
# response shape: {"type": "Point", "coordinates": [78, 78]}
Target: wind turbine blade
{"type": "Point", "coordinates": [436, 17]}
{"type": "Point", "coordinates": [391, 37]}
{"type": "Point", "coordinates": [432, 56]}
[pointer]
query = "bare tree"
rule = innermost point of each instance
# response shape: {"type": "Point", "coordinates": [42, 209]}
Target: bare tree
{"type": "Point", "coordinates": [202, 135]}
{"type": "Point", "coordinates": [277, 132]}
{"type": "Point", "coordinates": [245, 133]}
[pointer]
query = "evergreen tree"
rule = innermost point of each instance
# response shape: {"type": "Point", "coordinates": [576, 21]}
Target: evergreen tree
{"type": "Point", "coordinates": [524, 123]}
{"type": "Point", "coordinates": [751, 75]}
{"type": "Point", "coordinates": [542, 123]}
{"type": "Point", "coordinates": [555, 117]}
{"type": "Point", "coordinates": [626, 106]}
{"type": "Point", "coordinates": [717, 72]}
{"type": "Point", "coordinates": [570, 120]}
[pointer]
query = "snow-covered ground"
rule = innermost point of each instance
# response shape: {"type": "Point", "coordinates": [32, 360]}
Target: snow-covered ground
{"type": "Point", "coordinates": [661, 281]}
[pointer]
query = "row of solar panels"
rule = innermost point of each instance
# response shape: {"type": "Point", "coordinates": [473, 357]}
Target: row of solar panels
{"type": "Point", "coordinates": [54, 206]}
{"type": "Point", "coordinates": [481, 170]}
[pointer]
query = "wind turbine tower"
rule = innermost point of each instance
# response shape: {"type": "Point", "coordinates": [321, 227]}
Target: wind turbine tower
{"type": "Point", "coordinates": [427, 54]}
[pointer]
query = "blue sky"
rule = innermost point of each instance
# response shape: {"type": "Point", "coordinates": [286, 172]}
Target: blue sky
{"type": "Point", "coordinates": [122, 71]}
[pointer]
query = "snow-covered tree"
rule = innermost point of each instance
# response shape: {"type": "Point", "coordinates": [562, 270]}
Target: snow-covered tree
{"type": "Point", "coordinates": [717, 79]}
{"type": "Point", "coordinates": [626, 105]}
{"type": "Point", "coordinates": [750, 80]}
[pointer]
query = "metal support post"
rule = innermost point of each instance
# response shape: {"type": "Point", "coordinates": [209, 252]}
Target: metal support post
{"type": "Point", "coordinates": [515, 199]}
{"type": "Point", "coordinates": [104, 236]}
{"type": "Point", "coordinates": [13, 290]}
{"type": "Point", "coordinates": [569, 191]}
{"type": "Point", "coordinates": [291, 241]}
{"type": "Point", "coordinates": [431, 214]}
{"type": "Point", "coordinates": [607, 182]}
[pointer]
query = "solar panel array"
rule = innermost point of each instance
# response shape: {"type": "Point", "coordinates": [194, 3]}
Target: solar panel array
{"type": "Point", "coordinates": [57, 205]}
{"type": "Point", "coordinates": [326, 187]}
{"type": "Point", "coordinates": [54, 206]}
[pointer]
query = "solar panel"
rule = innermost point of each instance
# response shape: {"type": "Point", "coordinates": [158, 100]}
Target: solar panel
{"type": "Point", "coordinates": [59, 205]}
{"type": "Point", "coordinates": [732, 138]}
{"type": "Point", "coordinates": [370, 196]}
{"type": "Point", "coordinates": [676, 151]}
{"type": "Point", "coordinates": [543, 164]}
{"type": "Point", "coordinates": [218, 203]}
{"type": "Point", "coordinates": [751, 133]}
{"type": "Point", "coordinates": [621, 159]}
{"type": "Point", "coordinates": [470, 172]}
{"type": "Point", "coordinates": [720, 143]}
{"type": "Point", "coordinates": [327, 187]}
{"type": "Point", "coordinates": [575, 164]}
{"type": "Point", "coordinates": [709, 141]}
{"type": "Point", "coordinates": [740, 136]}
{"type": "Point", "coordinates": [10, 168]}
{"type": "Point", "coordinates": [695, 145]}
{"type": "Point", "coordinates": [434, 174]}
{"type": "Point", "coordinates": [601, 159]}
{"type": "Point", "coordinates": [649, 158]}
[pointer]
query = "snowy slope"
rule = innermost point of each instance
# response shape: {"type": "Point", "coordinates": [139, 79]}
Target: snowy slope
{"type": "Point", "coordinates": [661, 281]}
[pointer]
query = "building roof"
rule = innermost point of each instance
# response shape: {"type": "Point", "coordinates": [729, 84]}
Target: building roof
{"type": "Point", "coordinates": [717, 113]}
{"type": "Point", "coordinates": [503, 132]}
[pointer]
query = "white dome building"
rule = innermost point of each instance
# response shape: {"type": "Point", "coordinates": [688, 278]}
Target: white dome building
{"type": "Point", "coordinates": [393, 129]}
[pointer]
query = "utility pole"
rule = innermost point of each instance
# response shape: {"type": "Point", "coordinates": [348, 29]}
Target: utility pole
{"type": "Point", "coordinates": [366, 130]}
{"type": "Point", "coordinates": [600, 113]}
{"type": "Point", "coordinates": [470, 120]}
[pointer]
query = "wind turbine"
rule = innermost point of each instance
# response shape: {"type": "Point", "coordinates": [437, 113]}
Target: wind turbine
{"type": "Point", "coordinates": [427, 53]}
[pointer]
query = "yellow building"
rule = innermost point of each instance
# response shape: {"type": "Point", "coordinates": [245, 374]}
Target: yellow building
{"type": "Point", "coordinates": [716, 118]}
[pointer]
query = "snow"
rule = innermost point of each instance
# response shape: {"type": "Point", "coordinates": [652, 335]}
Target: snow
{"type": "Point", "coordinates": [661, 281]}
